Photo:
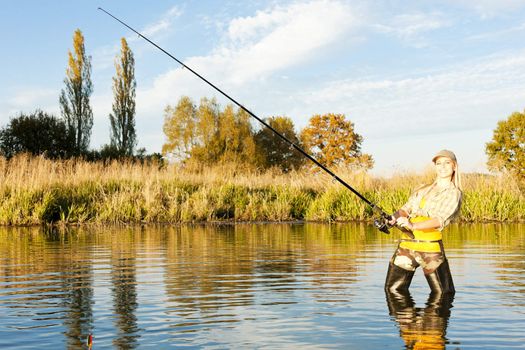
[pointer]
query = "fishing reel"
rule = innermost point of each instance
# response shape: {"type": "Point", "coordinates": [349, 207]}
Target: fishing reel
{"type": "Point", "coordinates": [382, 224]}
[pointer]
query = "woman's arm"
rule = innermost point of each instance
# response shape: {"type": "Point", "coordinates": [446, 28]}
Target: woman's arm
{"type": "Point", "coordinates": [432, 223]}
{"type": "Point", "coordinates": [400, 213]}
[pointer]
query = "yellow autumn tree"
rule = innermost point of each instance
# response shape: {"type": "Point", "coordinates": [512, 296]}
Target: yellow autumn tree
{"type": "Point", "coordinates": [206, 149]}
{"type": "Point", "coordinates": [123, 134]}
{"type": "Point", "coordinates": [235, 137]}
{"type": "Point", "coordinates": [74, 99]}
{"type": "Point", "coordinates": [207, 135]}
{"type": "Point", "coordinates": [179, 128]}
{"type": "Point", "coordinates": [332, 140]}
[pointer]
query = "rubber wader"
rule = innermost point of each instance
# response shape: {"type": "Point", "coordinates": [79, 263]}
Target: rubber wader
{"type": "Point", "coordinates": [440, 281]}
{"type": "Point", "coordinates": [398, 279]}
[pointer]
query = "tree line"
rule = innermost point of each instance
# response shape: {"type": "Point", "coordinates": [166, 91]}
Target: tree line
{"type": "Point", "coordinates": [206, 133]}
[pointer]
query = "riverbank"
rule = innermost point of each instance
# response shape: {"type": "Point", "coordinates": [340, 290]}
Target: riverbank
{"type": "Point", "coordinates": [36, 191]}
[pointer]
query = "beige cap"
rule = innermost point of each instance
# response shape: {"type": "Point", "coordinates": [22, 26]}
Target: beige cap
{"type": "Point", "coordinates": [445, 153]}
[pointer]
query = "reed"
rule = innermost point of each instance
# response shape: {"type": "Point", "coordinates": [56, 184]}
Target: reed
{"type": "Point", "coordinates": [35, 190]}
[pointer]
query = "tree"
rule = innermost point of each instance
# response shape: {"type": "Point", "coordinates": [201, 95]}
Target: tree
{"type": "Point", "coordinates": [208, 135]}
{"type": "Point", "coordinates": [74, 99]}
{"type": "Point", "coordinates": [506, 151]}
{"type": "Point", "coordinates": [206, 149]}
{"type": "Point", "coordinates": [123, 136]}
{"type": "Point", "coordinates": [273, 150]}
{"type": "Point", "coordinates": [235, 142]}
{"type": "Point", "coordinates": [37, 133]}
{"type": "Point", "coordinates": [332, 141]}
{"type": "Point", "coordinates": [179, 128]}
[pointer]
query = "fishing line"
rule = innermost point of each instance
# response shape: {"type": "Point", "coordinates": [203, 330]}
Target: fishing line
{"type": "Point", "coordinates": [380, 223]}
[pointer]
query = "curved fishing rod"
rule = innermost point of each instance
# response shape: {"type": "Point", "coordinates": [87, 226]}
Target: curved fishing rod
{"type": "Point", "coordinates": [381, 224]}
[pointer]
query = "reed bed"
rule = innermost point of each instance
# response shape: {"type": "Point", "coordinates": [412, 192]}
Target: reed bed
{"type": "Point", "coordinates": [35, 190]}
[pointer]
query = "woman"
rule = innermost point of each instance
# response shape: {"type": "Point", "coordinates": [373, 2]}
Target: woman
{"type": "Point", "coordinates": [428, 210]}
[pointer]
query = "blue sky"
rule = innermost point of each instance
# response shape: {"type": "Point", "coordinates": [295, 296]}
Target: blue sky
{"type": "Point", "coordinates": [413, 76]}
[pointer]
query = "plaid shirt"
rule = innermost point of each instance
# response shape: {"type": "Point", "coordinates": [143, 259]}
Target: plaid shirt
{"type": "Point", "coordinates": [443, 205]}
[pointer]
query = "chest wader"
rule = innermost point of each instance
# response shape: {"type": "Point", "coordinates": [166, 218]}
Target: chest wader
{"type": "Point", "coordinates": [440, 281]}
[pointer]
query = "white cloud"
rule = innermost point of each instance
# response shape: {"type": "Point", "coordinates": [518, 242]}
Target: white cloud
{"type": "Point", "coordinates": [163, 24]}
{"type": "Point", "coordinates": [30, 97]}
{"type": "Point", "coordinates": [25, 100]}
{"type": "Point", "coordinates": [490, 8]}
{"type": "Point", "coordinates": [101, 105]}
{"type": "Point", "coordinates": [454, 107]}
{"type": "Point", "coordinates": [253, 48]}
{"type": "Point", "coordinates": [281, 37]}
{"type": "Point", "coordinates": [410, 27]}
{"type": "Point", "coordinates": [496, 35]}
{"type": "Point", "coordinates": [257, 46]}
{"type": "Point", "coordinates": [466, 96]}
{"type": "Point", "coordinates": [104, 56]}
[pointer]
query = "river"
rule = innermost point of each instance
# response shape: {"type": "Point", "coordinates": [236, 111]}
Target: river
{"type": "Point", "coordinates": [271, 286]}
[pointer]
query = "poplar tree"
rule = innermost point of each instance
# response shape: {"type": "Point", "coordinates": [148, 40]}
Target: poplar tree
{"type": "Point", "coordinates": [123, 136]}
{"type": "Point", "coordinates": [74, 99]}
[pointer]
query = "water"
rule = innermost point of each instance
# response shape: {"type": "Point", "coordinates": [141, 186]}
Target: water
{"type": "Point", "coordinates": [272, 286]}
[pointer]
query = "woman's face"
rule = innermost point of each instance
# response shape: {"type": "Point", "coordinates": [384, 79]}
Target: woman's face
{"type": "Point", "coordinates": [444, 167]}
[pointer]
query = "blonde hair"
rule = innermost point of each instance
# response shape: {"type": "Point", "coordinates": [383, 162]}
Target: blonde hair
{"type": "Point", "coordinates": [456, 177]}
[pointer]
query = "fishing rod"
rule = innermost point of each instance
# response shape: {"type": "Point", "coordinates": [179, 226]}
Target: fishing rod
{"type": "Point", "coordinates": [381, 223]}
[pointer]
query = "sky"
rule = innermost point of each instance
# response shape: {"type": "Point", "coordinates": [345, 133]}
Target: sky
{"type": "Point", "coordinates": [414, 77]}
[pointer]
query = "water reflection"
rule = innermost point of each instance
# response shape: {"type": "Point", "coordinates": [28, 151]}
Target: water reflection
{"type": "Point", "coordinates": [249, 286]}
{"type": "Point", "coordinates": [123, 279]}
{"type": "Point", "coordinates": [43, 291]}
{"type": "Point", "coordinates": [77, 300]}
{"type": "Point", "coordinates": [211, 267]}
{"type": "Point", "coordinates": [421, 327]}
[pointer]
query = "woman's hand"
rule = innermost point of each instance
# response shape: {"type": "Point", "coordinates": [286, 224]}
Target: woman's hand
{"type": "Point", "coordinates": [405, 223]}
{"type": "Point", "coordinates": [391, 221]}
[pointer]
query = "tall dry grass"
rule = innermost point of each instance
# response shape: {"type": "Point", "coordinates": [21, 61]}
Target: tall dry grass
{"type": "Point", "coordinates": [35, 190]}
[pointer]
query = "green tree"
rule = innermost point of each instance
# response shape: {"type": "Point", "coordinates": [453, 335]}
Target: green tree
{"type": "Point", "coordinates": [37, 133]}
{"type": "Point", "coordinates": [332, 140]}
{"type": "Point", "coordinates": [273, 151]}
{"type": "Point", "coordinates": [506, 151]}
{"type": "Point", "coordinates": [123, 136]}
{"type": "Point", "coordinates": [74, 99]}
{"type": "Point", "coordinates": [179, 128]}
